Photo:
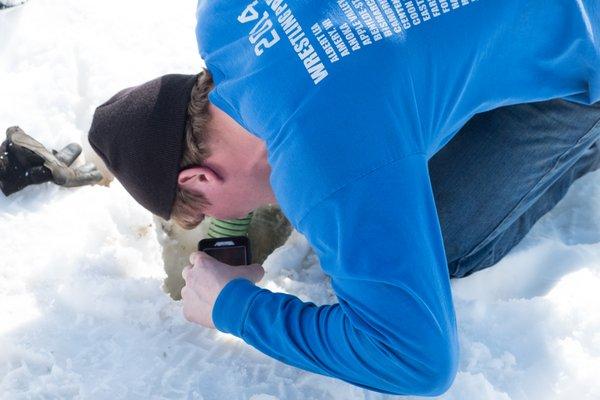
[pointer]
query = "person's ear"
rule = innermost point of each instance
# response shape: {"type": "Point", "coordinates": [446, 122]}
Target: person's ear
{"type": "Point", "coordinates": [199, 180]}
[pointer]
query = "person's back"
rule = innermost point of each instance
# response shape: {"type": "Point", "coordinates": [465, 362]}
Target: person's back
{"type": "Point", "coordinates": [434, 64]}
{"type": "Point", "coordinates": [323, 75]}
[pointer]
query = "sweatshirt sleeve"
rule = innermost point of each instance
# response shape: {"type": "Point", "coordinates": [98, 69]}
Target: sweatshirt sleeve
{"type": "Point", "coordinates": [393, 329]}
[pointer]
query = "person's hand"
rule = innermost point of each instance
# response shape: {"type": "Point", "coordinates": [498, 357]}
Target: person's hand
{"type": "Point", "coordinates": [19, 169]}
{"type": "Point", "coordinates": [24, 161]}
{"type": "Point", "coordinates": [205, 279]}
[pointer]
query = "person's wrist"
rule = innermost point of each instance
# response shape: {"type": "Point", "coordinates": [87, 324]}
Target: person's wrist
{"type": "Point", "coordinates": [232, 305]}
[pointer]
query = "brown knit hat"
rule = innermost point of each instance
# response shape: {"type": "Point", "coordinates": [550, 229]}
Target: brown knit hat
{"type": "Point", "coordinates": [139, 133]}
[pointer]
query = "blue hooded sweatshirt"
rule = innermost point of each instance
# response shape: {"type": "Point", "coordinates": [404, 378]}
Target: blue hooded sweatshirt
{"type": "Point", "coordinates": [352, 98]}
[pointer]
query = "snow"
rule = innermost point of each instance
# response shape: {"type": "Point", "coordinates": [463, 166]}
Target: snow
{"type": "Point", "coordinates": [82, 313]}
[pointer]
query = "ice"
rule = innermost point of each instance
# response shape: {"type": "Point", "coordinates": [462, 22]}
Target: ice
{"type": "Point", "coordinates": [82, 313]}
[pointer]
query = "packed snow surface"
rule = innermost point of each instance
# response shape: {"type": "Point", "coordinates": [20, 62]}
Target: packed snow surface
{"type": "Point", "coordinates": [82, 313]}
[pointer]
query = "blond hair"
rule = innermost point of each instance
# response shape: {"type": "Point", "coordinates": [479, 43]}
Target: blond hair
{"type": "Point", "coordinates": [188, 206]}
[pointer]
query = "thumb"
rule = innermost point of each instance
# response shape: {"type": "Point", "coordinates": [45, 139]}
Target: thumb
{"type": "Point", "coordinates": [253, 272]}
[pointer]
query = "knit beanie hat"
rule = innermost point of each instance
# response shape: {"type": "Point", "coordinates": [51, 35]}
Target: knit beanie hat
{"type": "Point", "coordinates": [139, 133]}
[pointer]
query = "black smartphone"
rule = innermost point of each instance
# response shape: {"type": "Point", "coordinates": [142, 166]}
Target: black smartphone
{"type": "Point", "coordinates": [229, 250]}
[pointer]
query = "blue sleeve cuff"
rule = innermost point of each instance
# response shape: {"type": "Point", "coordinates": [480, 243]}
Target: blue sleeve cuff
{"type": "Point", "coordinates": [232, 305]}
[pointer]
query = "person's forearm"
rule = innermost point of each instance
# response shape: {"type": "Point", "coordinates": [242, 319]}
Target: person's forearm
{"type": "Point", "coordinates": [416, 357]}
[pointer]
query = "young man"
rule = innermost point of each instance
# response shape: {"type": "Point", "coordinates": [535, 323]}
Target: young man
{"type": "Point", "coordinates": [353, 117]}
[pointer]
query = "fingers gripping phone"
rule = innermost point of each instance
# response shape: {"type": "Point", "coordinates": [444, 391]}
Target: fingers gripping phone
{"type": "Point", "coordinates": [229, 250]}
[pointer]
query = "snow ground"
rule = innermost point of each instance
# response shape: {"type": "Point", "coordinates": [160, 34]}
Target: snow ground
{"type": "Point", "coordinates": [82, 314]}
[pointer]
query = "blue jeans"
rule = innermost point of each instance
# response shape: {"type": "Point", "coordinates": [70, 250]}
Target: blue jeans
{"type": "Point", "coordinates": [503, 171]}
